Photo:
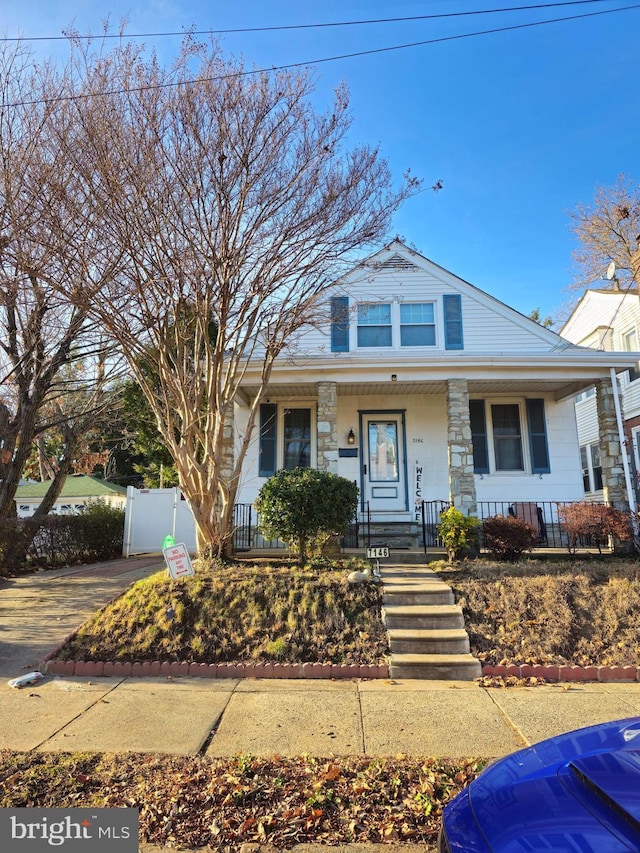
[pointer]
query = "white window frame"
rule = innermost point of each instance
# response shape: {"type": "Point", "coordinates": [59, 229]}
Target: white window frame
{"type": "Point", "coordinates": [630, 346]}
{"type": "Point", "coordinates": [589, 470]}
{"type": "Point", "coordinates": [396, 325]}
{"type": "Point", "coordinates": [524, 438]}
{"type": "Point", "coordinates": [311, 407]}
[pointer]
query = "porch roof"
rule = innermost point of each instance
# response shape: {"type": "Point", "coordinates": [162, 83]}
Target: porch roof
{"type": "Point", "coordinates": [562, 373]}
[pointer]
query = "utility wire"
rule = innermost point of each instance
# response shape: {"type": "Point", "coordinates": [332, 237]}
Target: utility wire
{"type": "Point", "coordinates": [312, 26]}
{"type": "Point", "coordinates": [321, 60]}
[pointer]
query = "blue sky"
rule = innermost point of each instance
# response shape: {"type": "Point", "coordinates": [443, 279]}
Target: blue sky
{"type": "Point", "coordinates": [520, 126]}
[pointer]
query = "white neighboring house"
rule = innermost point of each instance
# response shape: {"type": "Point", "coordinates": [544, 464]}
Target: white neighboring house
{"type": "Point", "coordinates": [77, 492]}
{"type": "Point", "coordinates": [607, 320]}
{"type": "Point", "coordinates": [421, 387]}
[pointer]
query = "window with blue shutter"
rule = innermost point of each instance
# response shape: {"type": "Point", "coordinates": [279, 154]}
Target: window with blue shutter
{"type": "Point", "coordinates": [479, 436]}
{"type": "Point", "coordinates": [268, 444]}
{"type": "Point", "coordinates": [339, 324]}
{"type": "Point", "coordinates": [452, 306]}
{"type": "Point", "coordinates": [538, 444]}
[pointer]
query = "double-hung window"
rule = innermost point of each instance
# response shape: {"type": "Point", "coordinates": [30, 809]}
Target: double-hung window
{"type": "Point", "coordinates": [284, 438]}
{"type": "Point", "coordinates": [509, 437]}
{"type": "Point", "coordinates": [630, 344]}
{"type": "Point", "coordinates": [374, 325]}
{"type": "Point", "coordinates": [591, 467]}
{"type": "Point", "coordinates": [417, 324]}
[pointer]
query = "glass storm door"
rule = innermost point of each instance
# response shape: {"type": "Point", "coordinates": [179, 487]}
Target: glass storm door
{"type": "Point", "coordinates": [383, 463]}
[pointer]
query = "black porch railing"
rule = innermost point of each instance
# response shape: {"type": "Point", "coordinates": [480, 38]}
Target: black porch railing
{"type": "Point", "coordinates": [543, 516]}
{"type": "Point", "coordinates": [247, 535]}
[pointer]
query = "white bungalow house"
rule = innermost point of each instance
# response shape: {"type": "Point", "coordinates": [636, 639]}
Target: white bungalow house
{"type": "Point", "coordinates": [78, 491]}
{"type": "Point", "coordinates": [607, 320]}
{"type": "Point", "coordinates": [423, 388]}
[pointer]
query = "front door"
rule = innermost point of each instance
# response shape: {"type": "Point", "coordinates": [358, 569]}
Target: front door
{"type": "Point", "coordinates": [383, 462]}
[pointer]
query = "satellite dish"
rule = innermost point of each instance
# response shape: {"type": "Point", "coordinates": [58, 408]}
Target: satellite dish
{"type": "Point", "coordinates": [611, 270]}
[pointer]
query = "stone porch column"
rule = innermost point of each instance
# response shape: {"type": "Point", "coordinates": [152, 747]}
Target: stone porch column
{"type": "Point", "coordinates": [327, 427]}
{"type": "Point", "coordinates": [613, 480]}
{"type": "Point", "coordinates": [462, 484]}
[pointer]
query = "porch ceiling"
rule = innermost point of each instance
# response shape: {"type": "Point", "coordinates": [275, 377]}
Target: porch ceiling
{"type": "Point", "coordinates": [560, 388]}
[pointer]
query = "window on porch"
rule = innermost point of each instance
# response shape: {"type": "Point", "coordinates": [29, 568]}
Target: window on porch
{"type": "Point", "coordinates": [509, 437]}
{"type": "Point", "coordinates": [591, 467]}
{"type": "Point", "coordinates": [285, 438]}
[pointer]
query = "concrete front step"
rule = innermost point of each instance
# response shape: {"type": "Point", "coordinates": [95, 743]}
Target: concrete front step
{"type": "Point", "coordinates": [423, 616]}
{"type": "Point", "coordinates": [417, 593]}
{"type": "Point", "coordinates": [432, 641]}
{"type": "Point", "coordinates": [446, 667]}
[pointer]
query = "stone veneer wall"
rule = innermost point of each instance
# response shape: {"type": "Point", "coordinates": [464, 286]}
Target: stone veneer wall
{"type": "Point", "coordinates": [462, 486]}
{"type": "Point", "coordinates": [327, 427]}
{"type": "Point", "coordinates": [613, 480]}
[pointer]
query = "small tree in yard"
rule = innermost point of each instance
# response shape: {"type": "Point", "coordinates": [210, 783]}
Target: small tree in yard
{"type": "Point", "coordinates": [458, 532]}
{"type": "Point", "coordinates": [303, 506]}
{"type": "Point", "coordinates": [505, 537]}
{"type": "Point", "coordinates": [226, 199]}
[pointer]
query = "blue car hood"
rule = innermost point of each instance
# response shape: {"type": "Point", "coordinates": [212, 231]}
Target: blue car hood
{"type": "Point", "coordinates": [578, 792]}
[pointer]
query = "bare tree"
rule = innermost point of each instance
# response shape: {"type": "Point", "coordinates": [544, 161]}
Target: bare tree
{"type": "Point", "coordinates": [46, 253]}
{"type": "Point", "coordinates": [234, 205]}
{"type": "Point", "coordinates": [609, 230]}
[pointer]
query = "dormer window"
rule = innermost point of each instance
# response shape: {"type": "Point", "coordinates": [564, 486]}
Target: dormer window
{"type": "Point", "coordinates": [374, 325]}
{"type": "Point", "coordinates": [417, 325]}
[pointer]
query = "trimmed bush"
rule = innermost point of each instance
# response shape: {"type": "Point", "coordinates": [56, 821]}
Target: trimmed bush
{"type": "Point", "coordinates": [94, 534]}
{"type": "Point", "coordinates": [304, 508]}
{"type": "Point", "coordinates": [591, 524]}
{"type": "Point", "coordinates": [458, 532]}
{"type": "Point", "coordinates": [507, 537]}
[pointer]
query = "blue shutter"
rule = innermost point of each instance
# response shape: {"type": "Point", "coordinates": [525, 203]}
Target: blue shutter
{"type": "Point", "coordinates": [538, 444]}
{"type": "Point", "coordinates": [268, 445]}
{"type": "Point", "coordinates": [339, 324]}
{"type": "Point", "coordinates": [452, 304]}
{"type": "Point", "coordinates": [479, 436]}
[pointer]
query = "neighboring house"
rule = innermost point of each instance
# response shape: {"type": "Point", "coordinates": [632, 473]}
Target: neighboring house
{"type": "Point", "coordinates": [421, 387]}
{"type": "Point", "coordinates": [77, 492]}
{"type": "Point", "coordinates": [607, 320]}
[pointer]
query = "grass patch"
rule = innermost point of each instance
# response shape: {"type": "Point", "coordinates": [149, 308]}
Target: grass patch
{"type": "Point", "coordinates": [559, 612]}
{"type": "Point", "coordinates": [239, 613]}
{"type": "Point", "coordinates": [189, 801]}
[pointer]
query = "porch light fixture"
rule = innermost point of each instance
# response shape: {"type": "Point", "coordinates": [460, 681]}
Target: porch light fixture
{"type": "Point", "coordinates": [394, 377]}
{"type": "Point", "coordinates": [351, 437]}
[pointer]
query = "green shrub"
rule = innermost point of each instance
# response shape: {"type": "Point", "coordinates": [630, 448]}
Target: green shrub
{"type": "Point", "coordinates": [506, 537]}
{"type": "Point", "coordinates": [94, 534]}
{"type": "Point", "coordinates": [458, 532]}
{"type": "Point", "coordinates": [592, 524]}
{"type": "Point", "coordinates": [304, 507]}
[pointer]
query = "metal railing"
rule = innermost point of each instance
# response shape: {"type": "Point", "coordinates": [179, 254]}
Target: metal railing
{"type": "Point", "coordinates": [247, 535]}
{"type": "Point", "coordinates": [543, 516]}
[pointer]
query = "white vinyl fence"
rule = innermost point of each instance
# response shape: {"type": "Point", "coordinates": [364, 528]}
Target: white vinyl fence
{"type": "Point", "coordinates": [152, 514]}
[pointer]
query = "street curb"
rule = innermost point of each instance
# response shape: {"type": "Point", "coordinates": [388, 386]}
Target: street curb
{"type": "Point", "coordinates": [565, 673]}
{"type": "Point", "coordinates": [95, 669]}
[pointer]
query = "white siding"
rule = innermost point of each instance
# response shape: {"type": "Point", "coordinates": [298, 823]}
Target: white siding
{"type": "Point", "coordinates": [488, 325]}
{"type": "Point", "coordinates": [426, 439]}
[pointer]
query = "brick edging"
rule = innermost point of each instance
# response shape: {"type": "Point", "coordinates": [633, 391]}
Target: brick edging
{"type": "Point", "coordinates": [214, 670]}
{"type": "Point", "coordinates": [565, 672]}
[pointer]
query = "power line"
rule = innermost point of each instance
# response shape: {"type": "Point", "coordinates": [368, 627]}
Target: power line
{"type": "Point", "coordinates": [321, 60]}
{"type": "Point", "coordinates": [282, 27]}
